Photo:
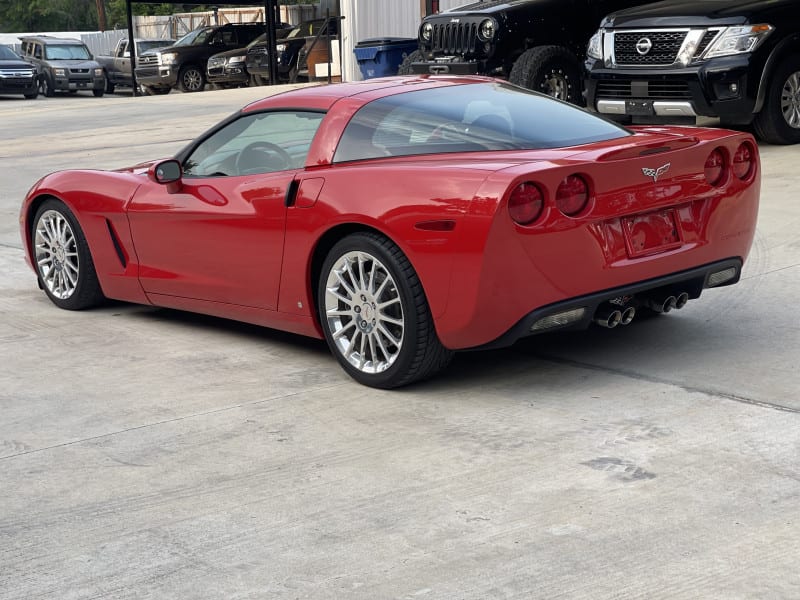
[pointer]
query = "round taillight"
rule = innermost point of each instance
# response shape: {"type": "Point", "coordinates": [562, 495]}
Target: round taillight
{"type": "Point", "coordinates": [572, 195]}
{"type": "Point", "coordinates": [743, 163]}
{"type": "Point", "coordinates": [525, 203]}
{"type": "Point", "coordinates": [715, 167]}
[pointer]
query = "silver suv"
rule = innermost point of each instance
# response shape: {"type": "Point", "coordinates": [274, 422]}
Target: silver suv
{"type": "Point", "coordinates": [64, 64]}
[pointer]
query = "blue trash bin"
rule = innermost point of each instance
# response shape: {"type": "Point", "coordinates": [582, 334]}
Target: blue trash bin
{"type": "Point", "coordinates": [380, 57]}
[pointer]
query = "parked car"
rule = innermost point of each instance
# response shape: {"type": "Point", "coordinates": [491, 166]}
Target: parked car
{"type": "Point", "coordinates": [402, 220]}
{"type": "Point", "coordinates": [16, 75]}
{"type": "Point", "coordinates": [537, 44]}
{"type": "Point", "coordinates": [117, 67]}
{"type": "Point", "coordinates": [228, 69]}
{"type": "Point", "coordinates": [288, 48]}
{"type": "Point", "coordinates": [64, 65]}
{"type": "Point", "coordinates": [738, 60]}
{"type": "Point", "coordinates": [183, 65]}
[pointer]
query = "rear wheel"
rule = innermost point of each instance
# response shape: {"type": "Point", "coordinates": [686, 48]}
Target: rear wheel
{"type": "Point", "coordinates": [375, 315]}
{"type": "Point", "coordinates": [551, 70]}
{"type": "Point", "coordinates": [779, 119]}
{"type": "Point", "coordinates": [405, 66]}
{"type": "Point", "coordinates": [62, 258]}
{"type": "Point", "coordinates": [191, 79]}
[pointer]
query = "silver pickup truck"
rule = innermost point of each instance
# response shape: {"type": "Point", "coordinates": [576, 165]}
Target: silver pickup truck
{"type": "Point", "coordinates": [117, 67]}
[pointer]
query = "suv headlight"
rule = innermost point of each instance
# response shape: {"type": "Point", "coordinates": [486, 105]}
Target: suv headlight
{"type": "Point", "coordinates": [98, 72]}
{"type": "Point", "coordinates": [426, 32]}
{"type": "Point", "coordinates": [595, 48]}
{"type": "Point", "coordinates": [739, 40]}
{"type": "Point", "coordinates": [59, 72]}
{"type": "Point", "coordinates": [234, 60]}
{"type": "Point", "coordinates": [281, 47]}
{"type": "Point", "coordinates": [167, 58]}
{"type": "Point", "coordinates": [487, 30]}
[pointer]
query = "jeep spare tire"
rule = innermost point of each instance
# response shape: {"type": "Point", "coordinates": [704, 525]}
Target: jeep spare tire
{"type": "Point", "coordinates": [551, 70]}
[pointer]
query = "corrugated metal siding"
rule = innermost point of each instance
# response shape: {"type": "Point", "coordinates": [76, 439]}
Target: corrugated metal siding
{"type": "Point", "coordinates": [366, 19]}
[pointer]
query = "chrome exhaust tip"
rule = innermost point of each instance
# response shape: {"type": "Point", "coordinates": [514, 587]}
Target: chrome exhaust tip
{"type": "Point", "coordinates": [663, 306]}
{"type": "Point", "coordinates": [609, 320]}
{"type": "Point", "coordinates": [681, 300]}
{"type": "Point", "coordinates": [627, 315]}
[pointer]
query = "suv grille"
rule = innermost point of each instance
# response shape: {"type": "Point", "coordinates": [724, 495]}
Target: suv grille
{"type": "Point", "coordinates": [147, 59]}
{"type": "Point", "coordinates": [662, 89]}
{"type": "Point", "coordinates": [664, 50]}
{"type": "Point", "coordinates": [16, 73]}
{"type": "Point", "coordinates": [455, 38]}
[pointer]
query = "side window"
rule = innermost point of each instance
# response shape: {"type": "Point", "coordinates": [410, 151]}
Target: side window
{"type": "Point", "coordinates": [37, 51]}
{"type": "Point", "coordinates": [256, 143]}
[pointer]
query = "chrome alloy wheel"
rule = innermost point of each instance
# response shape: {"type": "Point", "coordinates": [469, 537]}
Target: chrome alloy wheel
{"type": "Point", "coordinates": [364, 312]}
{"type": "Point", "coordinates": [555, 84]}
{"type": "Point", "coordinates": [790, 100]}
{"type": "Point", "coordinates": [56, 253]}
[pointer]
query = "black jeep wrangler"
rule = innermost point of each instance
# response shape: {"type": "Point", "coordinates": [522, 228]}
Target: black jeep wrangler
{"type": "Point", "coordinates": [538, 44]}
{"type": "Point", "coordinates": [738, 60]}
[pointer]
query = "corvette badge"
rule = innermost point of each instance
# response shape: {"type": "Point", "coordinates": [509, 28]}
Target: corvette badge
{"type": "Point", "coordinates": [656, 173]}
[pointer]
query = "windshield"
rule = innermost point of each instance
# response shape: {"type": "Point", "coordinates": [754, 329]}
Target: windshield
{"type": "Point", "coordinates": [66, 52]}
{"type": "Point", "coordinates": [468, 118]}
{"type": "Point", "coordinates": [7, 53]}
{"type": "Point", "coordinates": [197, 37]}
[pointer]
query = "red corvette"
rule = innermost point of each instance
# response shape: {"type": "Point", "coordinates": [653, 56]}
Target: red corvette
{"type": "Point", "coordinates": [405, 218]}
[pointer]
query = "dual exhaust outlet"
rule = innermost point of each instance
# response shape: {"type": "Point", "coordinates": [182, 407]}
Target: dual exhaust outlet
{"type": "Point", "coordinates": [610, 317]}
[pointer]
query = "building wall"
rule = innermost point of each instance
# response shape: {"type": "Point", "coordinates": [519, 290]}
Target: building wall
{"type": "Point", "coordinates": [364, 19]}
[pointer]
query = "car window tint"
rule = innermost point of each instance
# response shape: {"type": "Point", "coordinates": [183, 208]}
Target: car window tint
{"type": "Point", "coordinates": [468, 118]}
{"type": "Point", "coordinates": [255, 143]}
{"type": "Point", "coordinates": [7, 53]}
{"type": "Point", "coordinates": [66, 52]}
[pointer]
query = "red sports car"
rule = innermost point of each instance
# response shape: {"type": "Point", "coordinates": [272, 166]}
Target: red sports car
{"type": "Point", "coordinates": [405, 218]}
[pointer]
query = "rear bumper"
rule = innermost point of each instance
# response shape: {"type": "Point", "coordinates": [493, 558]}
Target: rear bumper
{"type": "Point", "coordinates": [722, 87]}
{"type": "Point", "coordinates": [447, 68]}
{"type": "Point", "coordinates": [583, 309]}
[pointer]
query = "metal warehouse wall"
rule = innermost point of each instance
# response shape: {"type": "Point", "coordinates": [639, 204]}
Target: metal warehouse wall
{"type": "Point", "coordinates": [377, 18]}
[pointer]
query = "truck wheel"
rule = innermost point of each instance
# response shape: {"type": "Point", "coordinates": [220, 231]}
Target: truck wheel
{"type": "Point", "coordinates": [191, 79]}
{"type": "Point", "coordinates": [33, 95]}
{"type": "Point", "coordinates": [779, 119]}
{"type": "Point", "coordinates": [45, 87]}
{"type": "Point", "coordinates": [551, 70]}
{"type": "Point", "coordinates": [405, 66]}
{"type": "Point", "coordinates": [109, 86]}
{"type": "Point", "coordinates": [98, 93]}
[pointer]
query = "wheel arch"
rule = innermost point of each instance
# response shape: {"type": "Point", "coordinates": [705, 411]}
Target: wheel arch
{"type": "Point", "coordinates": [779, 53]}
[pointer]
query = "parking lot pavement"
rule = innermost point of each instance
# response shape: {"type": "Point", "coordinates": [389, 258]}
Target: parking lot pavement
{"type": "Point", "coordinates": [148, 453]}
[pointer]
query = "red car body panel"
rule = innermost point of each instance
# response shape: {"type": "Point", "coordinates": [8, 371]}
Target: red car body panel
{"type": "Point", "coordinates": [232, 248]}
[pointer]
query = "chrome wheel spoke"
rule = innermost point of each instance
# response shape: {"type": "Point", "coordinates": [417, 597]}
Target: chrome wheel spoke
{"type": "Point", "coordinates": [56, 254]}
{"type": "Point", "coordinates": [364, 312]}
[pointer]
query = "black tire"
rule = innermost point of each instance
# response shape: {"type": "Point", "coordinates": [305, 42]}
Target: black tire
{"type": "Point", "coordinates": [779, 119]}
{"type": "Point", "coordinates": [419, 353]}
{"type": "Point", "coordinates": [191, 79]}
{"type": "Point", "coordinates": [46, 87]}
{"type": "Point", "coordinates": [32, 96]}
{"type": "Point", "coordinates": [98, 93]}
{"type": "Point", "coordinates": [110, 87]}
{"type": "Point", "coordinates": [551, 70]}
{"type": "Point", "coordinates": [70, 247]}
{"type": "Point", "coordinates": [259, 80]}
{"type": "Point", "coordinates": [405, 66]}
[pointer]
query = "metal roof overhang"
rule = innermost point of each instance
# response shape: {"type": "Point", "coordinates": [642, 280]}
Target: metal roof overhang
{"type": "Point", "coordinates": [270, 10]}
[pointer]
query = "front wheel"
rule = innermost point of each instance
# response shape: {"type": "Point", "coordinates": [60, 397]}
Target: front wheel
{"type": "Point", "coordinates": [551, 70]}
{"type": "Point", "coordinates": [62, 258]}
{"type": "Point", "coordinates": [405, 66]}
{"type": "Point", "coordinates": [375, 315]}
{"type": "Point", "coordinates": [46, 88]}
{"type": "Point", "coordinates": [779, 119]}
{"type": "Point", "coordinates": [110, 86]}
{"type": "Point", "coordinates": [191, 79]}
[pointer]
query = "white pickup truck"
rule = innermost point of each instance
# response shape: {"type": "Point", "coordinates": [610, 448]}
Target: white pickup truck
{"type": "Point", "coordinates": [118, 66]}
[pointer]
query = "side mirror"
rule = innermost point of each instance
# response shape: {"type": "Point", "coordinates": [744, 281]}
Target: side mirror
{"type": "Point", "coordinates": [167, 172]}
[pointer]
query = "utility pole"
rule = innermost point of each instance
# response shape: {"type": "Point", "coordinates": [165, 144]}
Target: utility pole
{"type": "Point", "coordinates": [101, 14]}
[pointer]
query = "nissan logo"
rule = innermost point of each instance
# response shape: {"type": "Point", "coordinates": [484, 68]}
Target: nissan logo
{"type": "Point", "coordinates": [643, 46]}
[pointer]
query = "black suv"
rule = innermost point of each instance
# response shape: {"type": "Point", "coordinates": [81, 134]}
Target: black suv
{"type": "Point", "coordinates": [16, 75]}
{"type": "Point", "coordinates": [64, 65]}
{"type": "Point", "coordinates": [538, 44]}
{"type": "Point", "coordinates": [737, 60]}
{"type": "Point", "coordinates": [184, 63]}
{"type": "Point", "coordinates": [288, 50]}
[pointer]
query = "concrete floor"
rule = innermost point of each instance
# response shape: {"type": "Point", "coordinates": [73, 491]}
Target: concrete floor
{"type": "Point", "coordinates": [147, 453]}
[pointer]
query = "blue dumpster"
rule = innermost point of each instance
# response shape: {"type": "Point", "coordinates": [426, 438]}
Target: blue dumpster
{"type": "Point", "coordinates": [379, 57]}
